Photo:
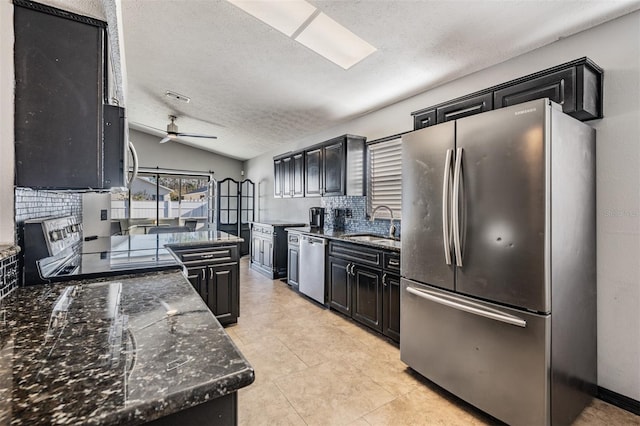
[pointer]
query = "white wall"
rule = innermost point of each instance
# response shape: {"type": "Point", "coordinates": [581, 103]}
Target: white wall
{"type": "Point", "coordinates": [7, 225]}
{"type": "Point", "coordinates": [172, 155]}
{"type": "Point", "coordinates": [615, 46]}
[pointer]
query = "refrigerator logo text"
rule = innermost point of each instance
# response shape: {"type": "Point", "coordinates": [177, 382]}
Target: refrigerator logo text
{"type": "Point", "coordinates": [525, 111]}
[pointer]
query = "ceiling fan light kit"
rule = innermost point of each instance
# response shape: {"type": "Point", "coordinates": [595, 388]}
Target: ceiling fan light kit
{"type": "Point", "coordinates": [172, 132]}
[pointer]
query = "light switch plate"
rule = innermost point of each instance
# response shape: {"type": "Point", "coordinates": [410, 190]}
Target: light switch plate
{"type": "Point", "coordinates": [103, 214]}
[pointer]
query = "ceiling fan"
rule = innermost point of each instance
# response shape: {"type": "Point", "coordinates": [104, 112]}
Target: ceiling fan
{"type": "Point", "coordinates": [172, 132]}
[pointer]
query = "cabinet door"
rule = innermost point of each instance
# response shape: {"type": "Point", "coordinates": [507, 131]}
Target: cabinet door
{"type": "Point", "coordinates": [292, 265]}
{"type": "Point", "coordinates": [59, 93]}
{"type": "Point", "coordinates": [339, 286]}
{"type": "Point", "coordinates": [297, 175]}
{"type": "Point", "coordinates": [424, 119]}
{"type": "Point", "coordinates": [197, 278]}
{"type": "Point", "coordinates": [391, 306]}
{"type": "Point", "coordinates": [558, 86]}
{"type": "Point", "coordinates": [256, 250]}
{"type": "Point", "coordinates": [334, 169]}
{"type": "Point", "coordinates": [286, 176]}
{"type": "Point", "coordinates": [277, 178]}
{"type": "Point", "coordinates": [313, 173]}
{"type": "Point", "coordinates": [223, 292]}
{"type": "Point", "coordinates": [367, 296]}
{"type": "Point", "coordinates": [267, 253]}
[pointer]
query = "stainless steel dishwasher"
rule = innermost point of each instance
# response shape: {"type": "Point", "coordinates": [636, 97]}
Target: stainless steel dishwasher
{"type": "Point", "coordinates": [311, 279]}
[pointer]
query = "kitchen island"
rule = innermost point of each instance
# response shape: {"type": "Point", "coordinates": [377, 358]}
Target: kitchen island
{"type": "Point", "coordinates": [119, 350]}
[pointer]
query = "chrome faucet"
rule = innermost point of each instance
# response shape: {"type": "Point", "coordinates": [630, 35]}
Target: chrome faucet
{"type": "Point", "coordinates": [392, 227]}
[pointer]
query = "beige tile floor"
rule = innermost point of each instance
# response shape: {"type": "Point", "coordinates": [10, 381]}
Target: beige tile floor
{"type": "Point", "coordinates": [315, 367]}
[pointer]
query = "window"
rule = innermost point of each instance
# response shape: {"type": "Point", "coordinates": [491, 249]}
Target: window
{"type": "Point", "coordinates": [385, 176]}
{"type": "Point", "coordinates": [165, 198]}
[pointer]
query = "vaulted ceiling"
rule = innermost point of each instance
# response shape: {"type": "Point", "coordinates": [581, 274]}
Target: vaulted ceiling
{"type": "Point", "coordinates": [255, 88]}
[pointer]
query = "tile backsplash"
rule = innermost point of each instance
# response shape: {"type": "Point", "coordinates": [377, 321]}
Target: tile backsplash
{"type": "Point", "coordinates": [34, 204]}
{"type": "Point", "coordinates": [358, 221]}
{"type": "Point", "coordinates": [8, 272]}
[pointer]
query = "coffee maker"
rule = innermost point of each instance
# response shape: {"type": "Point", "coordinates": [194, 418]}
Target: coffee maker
{"type": "Point", "coordinates": [316, 218]}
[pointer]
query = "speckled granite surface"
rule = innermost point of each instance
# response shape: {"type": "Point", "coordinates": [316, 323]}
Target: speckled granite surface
{"type": "Point", "coordinates": [124, 350]}
{"type": "Point", "coordinates": [8, 250]}
{"type": "Point", "coordinates": [343, 236]}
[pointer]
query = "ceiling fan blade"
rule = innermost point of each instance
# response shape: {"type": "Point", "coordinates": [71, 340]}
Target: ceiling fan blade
{"type": "Point", "coordinates": [194, 135]}
{"type": "Point", "coordinates": [166, 139]}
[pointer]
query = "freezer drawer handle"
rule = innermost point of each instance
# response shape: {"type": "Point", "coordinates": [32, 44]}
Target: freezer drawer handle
{"type": "Point", "coordinates": [446, 232]}
{"type": "Point", "coordinates": [491, 314]}
{"type": "Point", "coordinates": [456, 207]}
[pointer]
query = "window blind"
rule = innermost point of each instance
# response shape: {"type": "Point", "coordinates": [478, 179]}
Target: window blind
{"type": "Point", "coordinates": [385, 177]}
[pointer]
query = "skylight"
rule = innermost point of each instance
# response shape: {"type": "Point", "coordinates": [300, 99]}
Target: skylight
{"type": "Point", "coordinates": [308, 26]}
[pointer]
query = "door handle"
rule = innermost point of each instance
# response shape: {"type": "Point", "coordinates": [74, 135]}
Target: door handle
{"type": "Point", "coordinates": [456, 207]}
{"type": "Point", "coordinates": [384, 279]}
{"type": "Point", "coordinates": [446, 231]}
{"type": "Point", "coordinates": [470, 307]}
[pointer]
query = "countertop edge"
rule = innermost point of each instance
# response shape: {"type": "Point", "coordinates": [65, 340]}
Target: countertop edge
{"type": "Point", "coordinates": [339, 236]}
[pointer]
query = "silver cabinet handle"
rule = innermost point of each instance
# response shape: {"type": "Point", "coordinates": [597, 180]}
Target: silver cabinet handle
{"type": "Point", "coordinates": [394, 263]}
{"type": "Point", "coordinates": [207, 256]}
{"type": "Point", "coordinates": [446, 232]}
{"type": "Point", "coordinates": [384, 279]}
{"type": "Point", "coordinates": [455, 207]}
{"type": "Point", "coordinates": [204, 271]}
{"type": "Point", "coordinates": [347, 268]}
{"type": "Point", "coordinates": [471, 308]}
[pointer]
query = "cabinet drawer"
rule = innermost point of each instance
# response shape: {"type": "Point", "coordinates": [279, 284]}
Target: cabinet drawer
{"type": "Point", "coordinates": [294, 238]}
{"type": "Point", "coordinates": [423, 119]}
{"type": "Point", "coordinates": [464, 108]}
{"type": "Point", "coordinates": [391, 262]}
{"type": "Point", "coordinates": [357, 253]}
{"type": "Point", "coordinates": [209, 255]}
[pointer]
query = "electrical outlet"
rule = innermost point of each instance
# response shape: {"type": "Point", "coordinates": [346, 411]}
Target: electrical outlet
{"type": "Point", "coordinates": [349, 213]}
{"type": "Point", "coordinates": [103, 214]}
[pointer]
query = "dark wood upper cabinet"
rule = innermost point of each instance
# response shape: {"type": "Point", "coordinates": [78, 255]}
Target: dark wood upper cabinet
{"type": "Point", "coordinates": [334, 166]}
{"type": "Point", "coordinates": [60, 133]}
{"type": "Point", "coordinates": [313, 165]}
{"type": "Point", "coordinates": [575, 85]}
{"type": "Point", "coordinates": [297, 175]}
{"type": "Point", "coordinates": [331, 168]}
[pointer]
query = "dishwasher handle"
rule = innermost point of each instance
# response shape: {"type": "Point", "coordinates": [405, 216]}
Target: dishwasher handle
{"type": "Point", "coordinates": [313, 240]}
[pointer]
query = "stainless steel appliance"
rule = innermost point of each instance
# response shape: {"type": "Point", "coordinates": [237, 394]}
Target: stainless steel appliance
{"type": "Point", "coordinates": [316, 217]}
{"type": "Point", "coordinates": [311, 276]}
{"type": "Point", "coordinates": [498, 299]}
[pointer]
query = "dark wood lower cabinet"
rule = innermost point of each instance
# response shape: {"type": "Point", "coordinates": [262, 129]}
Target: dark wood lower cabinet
{"type": "Point", "coordinates": [362, 291]}
{"type": "Point", "coordinates": [222, 292]}
{"type": "Point", "coordinates": [367, 296]}
{"type": "Point", "coordinates": [391, 306]}
{"type": "Point", "coordinates": [339, 285]}
{"type": "Point", "coordinates": [214, 273]}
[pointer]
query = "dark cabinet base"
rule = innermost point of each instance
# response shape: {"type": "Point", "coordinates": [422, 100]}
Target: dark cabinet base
{"type": "Point", "coordinates": [219, 411]}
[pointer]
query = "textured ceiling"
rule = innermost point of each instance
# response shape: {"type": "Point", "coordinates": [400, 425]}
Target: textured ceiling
{"type": "Point", "coordinates": [255, 88]}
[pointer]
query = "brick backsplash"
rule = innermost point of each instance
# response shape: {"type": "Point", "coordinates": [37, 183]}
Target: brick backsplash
{"type": "Point", "coordinates": [358, 222]}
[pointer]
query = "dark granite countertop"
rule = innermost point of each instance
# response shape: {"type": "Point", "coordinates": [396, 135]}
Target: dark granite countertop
{"type": "Point", "coordinates": [8, 251]}
{"type": "Point", "coordinates": [278, 223]}
{"type": "Point", "coordinates": [344, 236]}
{"type": "Point", "coordinates": [124, 350]}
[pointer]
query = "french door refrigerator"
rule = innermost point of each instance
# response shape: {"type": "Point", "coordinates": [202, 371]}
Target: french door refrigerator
{"type": "Point", "coordinates": [498, 299]}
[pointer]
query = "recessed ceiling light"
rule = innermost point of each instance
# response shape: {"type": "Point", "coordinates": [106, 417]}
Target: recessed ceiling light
{"type": "Point", "coordinates": [177, 96]}
{"type": "Point", "coordinates": [304, 23]}
{"type": "Point", "coordinates": [284, 16]}
{"type": "Point", "coordinates": [328, 38]}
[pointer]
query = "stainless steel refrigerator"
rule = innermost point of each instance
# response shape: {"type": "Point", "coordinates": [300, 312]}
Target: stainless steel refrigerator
{"type": "Point", "coordinates": [498, 299]}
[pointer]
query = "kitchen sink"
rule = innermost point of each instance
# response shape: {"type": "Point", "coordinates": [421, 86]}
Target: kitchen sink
{"type": "Point", "coordinates": [376, 239]}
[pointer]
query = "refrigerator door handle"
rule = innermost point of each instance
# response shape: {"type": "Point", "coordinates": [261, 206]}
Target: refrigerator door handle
{"type": "Point", "coordinates": [471, 308]}
{"type": "Point", "coordinates": [456, 207]}
{"type": "Point", "coordinates": [446, 231]}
